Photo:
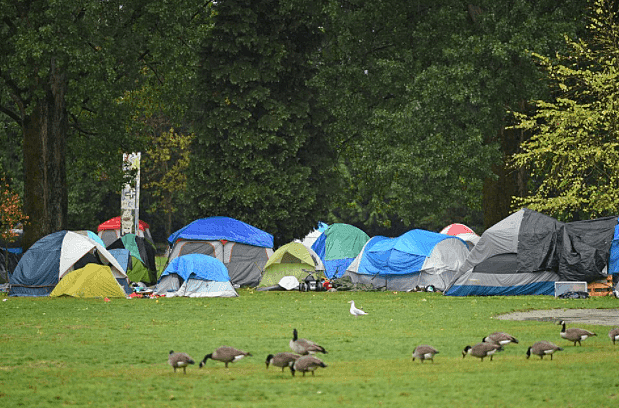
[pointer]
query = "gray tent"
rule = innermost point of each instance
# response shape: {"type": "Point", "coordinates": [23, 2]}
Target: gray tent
{"type": "Point", "coordinates": [527, 252]}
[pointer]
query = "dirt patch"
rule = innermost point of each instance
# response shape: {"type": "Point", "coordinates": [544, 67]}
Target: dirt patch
{"type": "Point", "coordinates": [601, 317]}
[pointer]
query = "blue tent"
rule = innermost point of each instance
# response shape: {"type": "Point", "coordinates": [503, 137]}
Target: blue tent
{"type": "Point", "coordinates": [223, 228]}
{"type": "Point", "coordinates": [195, 275]}
{"type": "Point", "coordinates": [416, 258]}
{"type": "Point", "coordinates": [243, 248]}
{"type": "Point", "coordinates": [53, 256]}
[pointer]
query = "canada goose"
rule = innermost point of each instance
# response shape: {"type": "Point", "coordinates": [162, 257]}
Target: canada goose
{"type": "Point", "coordinates": [225, 355]}
{"type": "Point", "coordinates": [482, 350]}
{"type": "Point", "coordinates": [354, 311]}
{"type": "Point", "coordinates": [282, 360]}
{"type": "Point", "coordinates": [543, 348]}
{"type": "Point", "coordinates": [424, 352]}
{"type": "Point", "coordinates": [614, 334]}
{"type": "Point", "coordinates": [177, 360]}
{"type": "Point", "coordinates": [501, 338]}
{"type": "Point", "coordinates": [305, 364]}
{"type": "Point", "coordinates": [574, 334]}
{"type": "Point", "coordinates": [304, 346]}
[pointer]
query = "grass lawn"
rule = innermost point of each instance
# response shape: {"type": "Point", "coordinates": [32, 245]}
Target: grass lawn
{"type": "Point", "coordinates": [67, 351]}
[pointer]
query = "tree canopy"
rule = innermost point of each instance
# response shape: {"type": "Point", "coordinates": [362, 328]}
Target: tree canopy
{"type": "Point", "coordinates": [573, 152]}
{"type": "Point", "coordinates": [261, 154]}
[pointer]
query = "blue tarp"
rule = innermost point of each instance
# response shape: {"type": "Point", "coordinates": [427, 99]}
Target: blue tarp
{"type": "Point", "coordinates": [399, 256]}
{"type": "Point", "coordinates": [197, 266]}
{"type": "Point", "coordinates": [223, 228]}
{"type": "Point", "coordinates": [613, 262]}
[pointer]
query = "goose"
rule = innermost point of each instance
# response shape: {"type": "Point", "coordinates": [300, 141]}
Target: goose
{"type": "Point", "coordinates": [614, 334]}
{"type": "Point", "coordinates": [574, 334]}
{"type": "Point", "coordinates": [424, 352]}
{"type": "Point", "coordinates": [500, 338]}
{"type": "Point", "coordinates": [354, 311]}
{"type": "Point", "coordinates": [543, 348]}
{"type": "Point", "coordinates": [304, 346]}
{"type": "Point", "coordinates": [305, 364]}
{"type": "Point", "coordinates": [226, 355]}
{"type": "Point", "coordinates": [177, 360]}
{"type": "Point", "coordinates": [482, 350]}
{"type": "Point", "coordinates": [282, 360]}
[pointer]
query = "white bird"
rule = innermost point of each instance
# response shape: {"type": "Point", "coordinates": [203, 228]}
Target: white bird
{"type": "Point", "coordinates": [354, 311]}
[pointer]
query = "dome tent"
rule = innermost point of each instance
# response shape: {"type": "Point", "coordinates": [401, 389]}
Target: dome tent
{"type": "Point", "coordinates": [243, 248]}
{"type": "Point", "coordinates": [142, 267]}
{"type": "Point", "coordinates": [53, 256]}
{"type": "Point", "coordinates": [195, 275]}
{"type": "Point", "coordinates": [91, 281]}
{"type": "Point", "coordinates": [292, 259]}
{"type": "Point", "coordinates": [527, 252]}
{"type": "Point", "coordinates": [416, 258]}
{"type": "Point", "coordinates": [338, 246]}
{"type": "Point", "coordinates": [110, 230]}
{"type": "Point", "coordinates": [462, 231]}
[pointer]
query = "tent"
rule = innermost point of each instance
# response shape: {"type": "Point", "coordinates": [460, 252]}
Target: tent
{"type": "Point", "coordinates": [109, 231]}
{"type": "Point", "coordinates": [462, 231]}
{"type": "Point", "coordinates": [142, 267]}
{"type": "Point", "coordinates": [338, 246]}
{"type": "Point", "coordinates": [313, 235]}
{"type": "Point", "coordinates": [292, 259]}
{"type": "Point", "coordinates": [243, 248]}
{"type": "Point", "coordinates": [527, 252]}
{"type": "Point", "coordinates": [88, 282]}
{"type": "Point", "coordinates": [416, 258]}
{"type": "Point", "coordinates": [50, 258]}
{"type": "Point", "coordinates": [195, 275]}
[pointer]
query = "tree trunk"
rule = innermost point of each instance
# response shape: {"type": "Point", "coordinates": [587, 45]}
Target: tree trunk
{"type": "Point", "coordinates": [44, 148]}
{"type": "Point", "coordinates": [498, 192]}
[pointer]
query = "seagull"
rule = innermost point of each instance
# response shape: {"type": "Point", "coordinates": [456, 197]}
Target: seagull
{"type": "Point", "coordinates": [354, 311]}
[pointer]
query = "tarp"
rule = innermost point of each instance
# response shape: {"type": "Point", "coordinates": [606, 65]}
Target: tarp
{"type": "Point", "coordinates": [223, 228]}
{"type": "Point", "coordinates": [416, 258]}
{"type": "Point", "coordinates": [51, 257]}
{"type": "Point", "coordinates": [292, 259]}
{"type": "Point", "coordinates": [195, 275]}
{"type": "Point", "coordinates": [89, 282]}
{"type": "Point", "coordinates": [338, 246]}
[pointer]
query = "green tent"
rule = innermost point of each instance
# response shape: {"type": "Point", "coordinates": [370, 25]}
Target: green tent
{"type": "Point", "coordinates": [293, 259]}
{"type": "Point", "coordinates": [93, 280]}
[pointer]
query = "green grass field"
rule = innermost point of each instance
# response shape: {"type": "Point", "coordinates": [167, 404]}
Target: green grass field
{"type": "Point", "coordinates": [66, 351]}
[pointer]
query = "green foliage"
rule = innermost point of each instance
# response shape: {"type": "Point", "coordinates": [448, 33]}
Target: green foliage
{"type": "Point", "coordinates": [66, 351]}
{"type": "Point", "coordinates": [420, 91]}
{"type": "Point", "coordinates": [261, 154]}
{"type": "Point", "coordinates": [574, 150]}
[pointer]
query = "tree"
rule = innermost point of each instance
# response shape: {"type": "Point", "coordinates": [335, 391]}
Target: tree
{"type": "Point", "coordinates": [421, 92]}
{"type": "Point", "coordinates": [574, 149]}
{"type": "Point", "coordinates": [261, 154]}
{"type": "Point", "coordinates": [166, 163]}
{"type": "Point", "coordinates": [64, 67]}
